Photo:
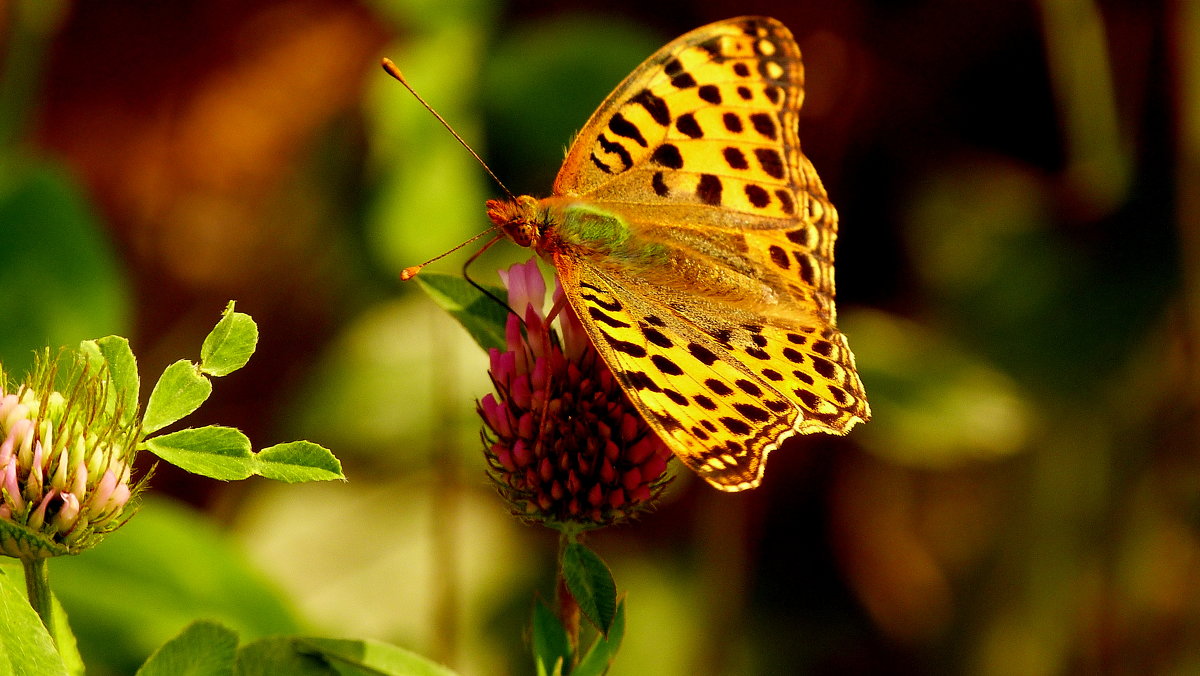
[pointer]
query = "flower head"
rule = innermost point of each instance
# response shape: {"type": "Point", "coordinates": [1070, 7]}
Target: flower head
{"type": "Point", "coordinates": [65, 458]}
{"type": "Point", "coordinates": [564, 444]}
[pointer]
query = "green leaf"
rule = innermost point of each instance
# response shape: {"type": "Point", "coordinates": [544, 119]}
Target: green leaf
{"type": "Point", "coordinates": [604, 650]}
{"type": "Point", "coordinates": [122, 373]}
{"type": "Point", "coordinates": [298, 461]}
{"type": "Point", "coordinates": [279, 655]}
{"type": "Point", "coordinates": [179, 391]}
{"type": "Point", "coordinates": [229, 345]}
{"type": "Point", "coordinates": [202, 649]}
{"type": "Point", "coordinates": [551, 647]}
{"type": "Point", "coordinates": [479, 314]}
{"type": "Point", "coordinates": [215, 452]}
{"type": "Point", "coordinates": [370, 657]}
{"type": "Point", "coordinates": [64, 640]}
{"type": "Point", "coordinates": [591, 583]}
{"type": "Point", "coordinates": [25, 646]}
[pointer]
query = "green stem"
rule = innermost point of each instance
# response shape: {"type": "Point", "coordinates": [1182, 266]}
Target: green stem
{"type": "Point", "coordinates": [37, 585]}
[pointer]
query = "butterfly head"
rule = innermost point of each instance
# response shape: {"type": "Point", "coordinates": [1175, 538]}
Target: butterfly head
{"type": "Point", "coordinates": [520, 218]}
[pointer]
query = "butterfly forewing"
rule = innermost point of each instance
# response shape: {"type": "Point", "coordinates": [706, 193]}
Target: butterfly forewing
{"type": "Point", "coordinates": [730, 345]}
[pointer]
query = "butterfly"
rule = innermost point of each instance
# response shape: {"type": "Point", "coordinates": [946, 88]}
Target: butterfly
{"type": "Point", "coordinates": [694, 241]}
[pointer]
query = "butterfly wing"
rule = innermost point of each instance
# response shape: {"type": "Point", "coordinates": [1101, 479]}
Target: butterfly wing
{"type": "Point", "coordinates": [722, 388]}
{"type": "Point", "coordinates": [733, 346]}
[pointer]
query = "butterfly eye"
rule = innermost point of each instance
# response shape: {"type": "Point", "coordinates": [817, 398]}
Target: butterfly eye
{"type": "Point", "coordinates": [522, 232]}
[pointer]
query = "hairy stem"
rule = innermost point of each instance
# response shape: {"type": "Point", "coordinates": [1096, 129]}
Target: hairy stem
{"type": "Point", "coordinates": [37, 585]}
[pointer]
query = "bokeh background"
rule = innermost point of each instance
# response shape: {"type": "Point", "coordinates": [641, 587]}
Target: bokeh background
{"type": "Point", "coordinates": [1019, 190]}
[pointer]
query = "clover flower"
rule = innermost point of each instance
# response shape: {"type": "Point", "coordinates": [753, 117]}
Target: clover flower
{"type": "Point", "coordinates": [564, 444]}
{"type": "Point", "coordinates": [65, 460]}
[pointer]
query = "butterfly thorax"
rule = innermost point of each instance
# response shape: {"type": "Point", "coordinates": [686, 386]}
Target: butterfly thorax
{"type": "Point", "coordinates": [562, 225]}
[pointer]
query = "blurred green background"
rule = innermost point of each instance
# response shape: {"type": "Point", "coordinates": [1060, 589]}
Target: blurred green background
{"type": "Point", "coordinates": [1019, 190]}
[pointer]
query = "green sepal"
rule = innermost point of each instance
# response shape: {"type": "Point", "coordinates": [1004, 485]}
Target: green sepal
{"type": "Point", "coordinates": [203, 648]}
{"type": "Point", "coordinates": [179, 391]}
{"type": "Point", "coordinates": [600, 656]}
{"type": "Point", "coordinates": [591, 583]}
{"type": "Point", "coordinates": [478, 313]}
{"type": "Point", "coordinates": [20, 542]}
{"type": "Point", "coordinates": [230, 344]}
{"type": "Point", "coordinates": [551, 646]}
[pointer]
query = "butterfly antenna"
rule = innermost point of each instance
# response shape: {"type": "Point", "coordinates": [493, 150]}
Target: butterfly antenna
{"type": "Point", "coordinates": [412, 270]}
{"type": "Point", "coordinates": [394, 71]}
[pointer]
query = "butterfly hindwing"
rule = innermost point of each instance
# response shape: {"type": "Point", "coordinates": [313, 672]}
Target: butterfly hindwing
{"type": "Point", "coordinates": [681, 380]}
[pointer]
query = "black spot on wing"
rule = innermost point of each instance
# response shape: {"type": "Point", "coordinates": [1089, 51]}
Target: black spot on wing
{"type": "Point", "coordinates": [601, 165]}
{"type": "Point", "coordinates": [736, 426]}
{"type": "Point", "coordinates": [638, 380]}
{"type": "Point", "coordinates": [785, 201]}
{"type": "Point", "coordinates": [710, 93]}
{"type": "Point", "coordinates": [623, 127]}
{"type": "Point", "coordinates": [654, 105]}
{"type": "Point", "coordinates": [718, 387]}
{"type": "Point", "coordinates": [758, 353]}
{"type": "Point", "coordinates": [655, 336]}
{"type": "Point", "coordinates": [709, 190]}
{"type": "Point", "coordinates": [803, 377]}
{"type": "Point", "coordinates": [632, 349]}
{"type": "Point", "coordinates": [687, 125]}
{"type": "Point", "coordinates": [748, 387]}
{"type": "Point", "coordinates": [612, 306]}
{"type": "Point", "coordinates": [735, 158]}
{"type": "Point", "coordinates": [779, 257]}
{"type": "Point", "coordinates": [703, 354]}
{"type": "Point", "coordinates": [777, 405]}
{"type": "Point", "coordinates": [764, 124]}
{"type": "Point", "coordinates": [751, 412]}
{"type": "Point", "coordinates": [757, 195]}
{"type": "Point", "coordinates": [659, 185]}
{"type": "Point", "coordinates": [668, 156]}
{"type": "Point", "coordinates": [665, 365]}
{"type": "Point", "coordinates": [683, 81]}
{"type": "Point", "coordinates": [617, 149]}
{"type": "Point", "coordinates": [824, 367]}
{"type": "Point", "coordinates": [598, 315]}
{"type": "Point", "coordinates": [770, 161]}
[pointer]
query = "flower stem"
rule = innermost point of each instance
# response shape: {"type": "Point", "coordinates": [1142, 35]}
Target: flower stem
{"type": "Point", "coordinates": [37, 585]}
{"type": "Point", "coordinates": [565, 604]}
